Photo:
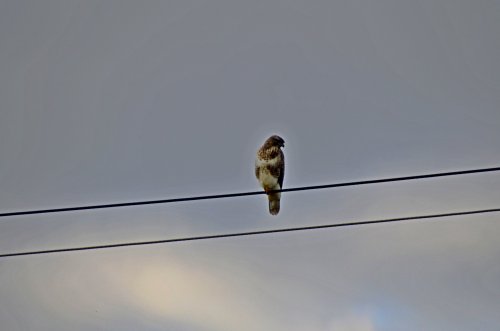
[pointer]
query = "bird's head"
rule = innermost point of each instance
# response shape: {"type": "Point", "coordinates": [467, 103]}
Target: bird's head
{"type": "Point", "coordinates": [275, 141]}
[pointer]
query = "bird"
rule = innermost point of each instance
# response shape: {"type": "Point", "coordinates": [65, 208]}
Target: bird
{"type": "Point", "coordinates": [270, 170]}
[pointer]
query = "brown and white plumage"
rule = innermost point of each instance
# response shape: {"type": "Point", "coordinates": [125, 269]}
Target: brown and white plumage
{"type": "Point", "coordinates": [270, 170]}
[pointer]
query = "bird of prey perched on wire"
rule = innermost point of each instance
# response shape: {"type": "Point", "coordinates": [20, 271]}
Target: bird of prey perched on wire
{"type": "Point", "coordinates": [270, 170]}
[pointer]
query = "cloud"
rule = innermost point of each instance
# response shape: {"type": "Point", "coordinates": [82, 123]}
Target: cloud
{"type": "Point", "coordinates": [352, 323]}
{"type": "Point", "coordinates": [159, 289]}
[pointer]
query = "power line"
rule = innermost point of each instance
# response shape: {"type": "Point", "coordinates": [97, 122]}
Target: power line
{"type": "Point", "coordinates": [233, 195]}
{"type": "Point", "coordinates": [252, 233]}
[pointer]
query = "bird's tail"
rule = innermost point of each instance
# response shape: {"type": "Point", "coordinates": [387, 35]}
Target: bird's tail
{"type": "Point", "coordinates": [274, 203]}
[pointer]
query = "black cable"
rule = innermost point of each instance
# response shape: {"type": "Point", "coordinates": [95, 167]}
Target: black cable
{"type": "Point", "coordinates": [253, 233]}
{"type": "Point", "coordinates": [232, 195]}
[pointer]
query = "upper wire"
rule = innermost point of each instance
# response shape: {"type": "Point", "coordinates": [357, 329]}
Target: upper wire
{"type": "Point", "coordinates": [240, 194]}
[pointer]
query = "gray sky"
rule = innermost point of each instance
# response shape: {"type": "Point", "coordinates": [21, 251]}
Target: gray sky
{"type": "Point", "coordinates": [118, 101]}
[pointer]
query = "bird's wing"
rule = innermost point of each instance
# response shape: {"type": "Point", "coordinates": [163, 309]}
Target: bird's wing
{"type": "Point", "coordinates": [282, 169]}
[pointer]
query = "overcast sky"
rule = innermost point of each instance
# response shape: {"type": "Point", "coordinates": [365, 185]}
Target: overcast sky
{"type": "Point", "coordinates": [120, 100]}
